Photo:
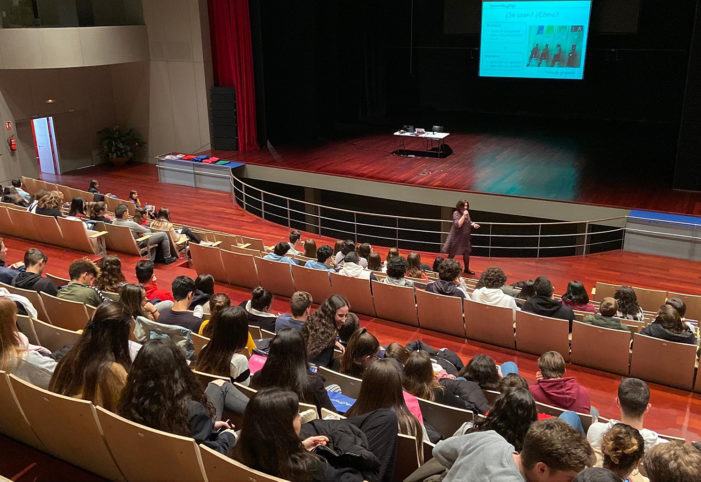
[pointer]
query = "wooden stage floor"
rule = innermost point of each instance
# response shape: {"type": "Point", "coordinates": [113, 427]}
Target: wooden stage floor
{"type": "Point", "coordinates": [602, 168]}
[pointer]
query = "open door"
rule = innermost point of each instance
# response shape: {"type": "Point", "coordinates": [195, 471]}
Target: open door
{"type": "Point", "coordinates": [45, 145]}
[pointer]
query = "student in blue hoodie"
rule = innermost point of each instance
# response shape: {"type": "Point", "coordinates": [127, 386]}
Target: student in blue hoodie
{"type": "Point", "coordinates": [323, 259]}
{"type": "Point", "coordinates": [301, 307]}
{"type": "Point", "coordinates": [278, 254]}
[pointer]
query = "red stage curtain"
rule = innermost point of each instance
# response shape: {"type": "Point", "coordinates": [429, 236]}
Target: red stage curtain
{"type": "Point", "coordinates": [232, 56]}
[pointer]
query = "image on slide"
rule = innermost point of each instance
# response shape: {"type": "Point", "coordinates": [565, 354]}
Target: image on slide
{"type": "Point", "coordinates": [555, 46]}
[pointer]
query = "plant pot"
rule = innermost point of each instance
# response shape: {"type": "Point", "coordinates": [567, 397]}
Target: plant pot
{"type": "Point", "coordinates": [119, 161]}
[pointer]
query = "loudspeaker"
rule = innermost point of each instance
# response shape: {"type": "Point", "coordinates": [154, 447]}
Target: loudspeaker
{"type": "Point", "coordinates": [223, 119]}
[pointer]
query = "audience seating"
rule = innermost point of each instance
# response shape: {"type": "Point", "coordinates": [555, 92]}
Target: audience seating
{"type": "Point", "coordinates": [275, 276]}
{"type": "Point", "coordinates": [71, 315]}
{"type": "Point", "coordinates": [585, 418]}
{"type": "Point", "coordinates": [54, 337]}
{"type": "Point", "coordinates": [219, 468]}
{"type": "Point", "coordinates": [693, 304]}
{"type": "Point", "coordinates": [395, 303]}
{"type": "Point", "coordinates": [58, 280]}
{"type": "Point", "coordinates": [445, 419]}
{"type": "Point", "coordinates": [35, 298]}
{"type": "Point", "coordinates": [349, 385]}
{"type": "Point", "coordinates": [26, 326]}
{"type": "Point", "coordinates": [199, 342]}
{"type": "Point", "coordinates": [491, 395]}
{"type": "Point", "coordinates": [240, 269]}
{"type": "Point", "coordinates": [407, 460]}
{"type": "Point", "coordinates": [489, 324]}
{"type": "Point", "coordinates": [440, 313]}
{"type": "Point", "coordinates": [209, 260]}
{"type": "Point", "coordinates": [356, 291]}
{"type": "Point", "coordinates": [121, 239]}
{"type": "Point", "coordinates": [662, 361]}
{"type": "Point", "coordinates": [314, 281]}
{"type": "Point", "coordinates": [601, 348]}
{"type": "Point", "coordinates": [68, 428]}
{"type": "Point", "coordinates": [537, 334]}
{"type": "Point", "coordinates": [648, 299]}
{"type": "Point", "coordinates": [13, 421]}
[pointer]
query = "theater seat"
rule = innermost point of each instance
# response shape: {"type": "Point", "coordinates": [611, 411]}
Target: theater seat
{"type": "Point", "coordinates": [219, 468]}
{"type": "Point", "coordinates": [356, 291]}
{"type": "Point", "coordinates": [537, 334]}
{"type": "Point", "coordinates": [445, 419]}
{"type": "Point", "coordinates": [601, 348]}
{"type": "Point", "coordinates": [440, 313]}
{"type": "Point", "coordinates": [314, 281]}
{"type": "Point", "coordinates": [13, 421]}
{"type": "Point", "coordinates": [396, 303]}
{"type": "Point", "coordinates": [208, 260]}
{"type": "Point", "coordinates": [240, 269]}
{"type": "Point", "coordinates": [54, 337]}
{"type": "Point", "coordinates": [71, 315]}
{"type": "Point", "coordinates": [489, 324]}
{"type": "Point", "coordinates": [276, 277]}
{"type": "Point", "coordinates": [663, 361]}
{"type": "Point", "coordinates": [350, 386]}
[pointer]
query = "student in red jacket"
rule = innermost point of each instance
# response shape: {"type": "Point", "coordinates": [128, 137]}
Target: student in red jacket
{"type": "Point", "coordinates": [552, 387]}
{"type": "Point", "coordinates": [144, 273]}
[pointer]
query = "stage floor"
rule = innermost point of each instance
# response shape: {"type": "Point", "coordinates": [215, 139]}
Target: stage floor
{"type": "Point", "coordinates": [616, 169]}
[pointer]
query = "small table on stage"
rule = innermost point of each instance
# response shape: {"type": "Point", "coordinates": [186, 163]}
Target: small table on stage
{"type": "Point", "coordinates": [439, 150]}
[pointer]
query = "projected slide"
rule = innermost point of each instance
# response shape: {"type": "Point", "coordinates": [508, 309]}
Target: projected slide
{"type": "Point", "coordinates": [534, 39]}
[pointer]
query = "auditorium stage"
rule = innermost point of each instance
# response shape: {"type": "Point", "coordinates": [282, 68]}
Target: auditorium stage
{"type": "Point", "coordinates": [623, 167]}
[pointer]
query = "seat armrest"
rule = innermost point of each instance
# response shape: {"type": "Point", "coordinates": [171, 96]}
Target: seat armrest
{"type": "Point", "coordinates": [96, 234]}
{"type": "Point", "coordinates": [143, 238]}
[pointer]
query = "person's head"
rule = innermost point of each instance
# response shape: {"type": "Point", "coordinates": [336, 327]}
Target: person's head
{"type": "Point", "coordinates": [217, 303]}
{"type": "Point", "coordinates": [349, 326]}
{"type": "Point", "coordinates": [286, 366]}
{"type": "Point", "coordinates": [493, 277]}
{"type": "Point", "coordinates": [139, 215]}
{"type": "Point", "coordinates": [669, 318]}
{"type": "Point", "coordinates": [348, 246]}
{"type": "Point", "coordinates": [94, 184]}
{"type": "Point", "coordinates": [294, 236]}
{"type": "Point", "coordinates": [16, 183]}
{"type": "Point", "coordinates": [543, 287]}
{"type": "Point", "coordinates": [673, 462]}
{"type": "Point", "coordinates": [576, 293]}
{"type": "Point", "coordinates": [608, 307]}
{"type": "Point", "coordinates": [111, 275]}
{"type": "Point", "coordinates": [160, 387]}
{"type": "Point", "coordinates": [323, 253]}
{"type": "Point", "coordinates": [449, 270]}
{"type": "Point", "coordinates": [678, 304]}
{"type": "Point", "coordinates": [269, 439]}
{"type": "Point", "coordinates": [98, 209]}
{"type": "Point", "coordinates": [633, 398]}
{"type": "Point", "coordinates": [413, 262]}
{"type": "Point", "coordinates": [398, 352]}
{"type": "Point", "coordinates": [120, 211]}
{"type": "Point", "coordinates": [437, 263]}
{"type": "Point", "coordinates": [511, 416]}
{"type": "Point", "coordinates": [482, 370]}
{"type": "Point", "coordinates": [83, 271]}
{"type": "Point", "coordinates": [627, 300]}
{"type": "Point", "coordinates": [511, 381]}
{"type": "Point", "coordinates": [321, 329]}
{"type": "Point", "coordinates": [301, 304]}
{"type": "Point", "coordinates": [360, 353]}
{"type": "Point", "coordinates": [144, 271]}
{"type": "Point", "coordinates": [364, 250]}
{"type": "Point", "coordinates": [554, 451]}
{"type": "Point", "coordinates": [392, 253]}
{"type": "Point", "coordinates": [527, 289]}
{"type": "Point", "coordinates": [229, 336]}
{"type": "Point", "coordinates": [418, 375]}
{"type": "Point", "coordinates": [338, 245]}
{"type": "Point", "coordinates": [382, 388]}
{"type": "Point", "coordinates": [351, 257]}
{"type": "Point", "coordinates": [182, 288]}
{"type": "Point", "coordinates": [77, 207]}
{"type": "Point", "coordinates": [9, 342]}
{"type": "Point", "coordinates": [261, 299]}
{"type": "Point", "coordinates": [622, 448]}
{"type": "Point", "coordinates": [163, 214]}
{"type": "Point", "coordinates": [281, 249]}
{"type": "Point", "coordinates": [374, 261]}
{"type": "Point", "coordinates": [105, 340]}
{"type": "Point", "coordinates": [3, 250]}
{"type": "Point", "coordinates": [597, 474]}
{"type": "Point", "coordinates": [52, 200]}
{"type": "Point", "coordinates": [396, 268]}
{"type": "Point", "coordinates": [310, 248]}
{"type": "Point", "coordinates": [133, 297]}
{"type": "Point", "coordinates": [551, 365]}
{"type": "Point", "coordinates": [35, 260]}
{"type": "Point", "coordinates": [133, 195]}
{"type": "Point", "coordinates": [462, 205]}
{"type": "Point", "coordinates": [205, 283]}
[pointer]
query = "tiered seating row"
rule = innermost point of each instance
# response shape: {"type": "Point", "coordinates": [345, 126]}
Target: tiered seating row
{"type": "Point", "coordinates": [650, 300]}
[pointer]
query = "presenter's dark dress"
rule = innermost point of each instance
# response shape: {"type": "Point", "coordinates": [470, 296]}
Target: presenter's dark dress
{"type": "Point", "coordinates": [458, 242]}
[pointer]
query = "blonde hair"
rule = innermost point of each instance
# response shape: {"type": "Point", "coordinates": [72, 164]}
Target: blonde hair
{"type": "Point", "coordinates": [9, 343]}
{"type": "Point", "coordinates": [52, 200]}
{"type": "Point", "coordinates": [622, 448]}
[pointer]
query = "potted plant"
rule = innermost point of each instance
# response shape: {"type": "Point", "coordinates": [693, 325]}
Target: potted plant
{"type": "Point", "coordinates": [119, 146]}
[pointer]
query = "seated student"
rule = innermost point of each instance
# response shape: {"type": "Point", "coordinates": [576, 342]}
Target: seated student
{"type": "Point", "coordinates": [524, 291]}
{"type": "Point", "coordinates": [32, 208]}
{"type": "Point", "coordinates": [217, 303]}
{"type": "Point", "coordinates": [346, 247]}
{"type": "Point", "coordinates": [321, 330]}
{"type": "Point", "coordinates": [674, 462]}
{"type": "Point", "coordinates": [160, 239]}
{"type": "Point", "coordinates": [257, 309]}
{"type": "Point", "coordinates": [491, 293]}
{"type": "Point", "coordinates": [17, 184]}
{"type": "Point", "coordinates": [294, 238]}
{"type": "Point", "coordinates": [414, 269]}
{"type": "Point", "coordinates": [133, 297]}
{"type": "Point", "coordinates": [96, 367]}
{"type": "Point", "coordinates": [364, 251]}
{"type": "Point", "coordinates": [361, 351]}
{"type": "Point", "coordinates": [352, 268]}
{"type": "Point", "coordinates": [17, 356]}
{"type": "Point", "coordinates": [482, 370]}
{"type": "Point", "coordinates": [309, 246]}
{"type": "Point", "coordinates": [301, 308]}
{"type": "Point", "coordinates": [623, 447]}
{"type": "Point", "coordinates": [163, 393]}
{"type": "Point", "coordinates": [204, 289]}
{"type": "Point", "coordinates": [162, 223]}
{"type": "Point", "coordinates": [94, 186]}
{"type": "Point", "coordinates": [437, 263]}
{"type": "Point", "coordinates": [350, 325]}
{"type": "Point", "coordinates": [323, 261]}
{"type": "Point", "coordinates": [420, 381]}
{"type": "Point", "coordinates": [279, 254]}
{"type": "Point", "coordinates": [146, 278]}
{"type": "Point", "coordinates": [7, 273]}
{"type": "Point", "coordinates": [178, 314]}
{"type": "Point", "coordinates": [31, 279]}
{"type": "Point", "coordinates": [50, 205]}
{"type": "Point", "coordinates": [396, 270]}
{"type": "Point", "coordinates": [552, 451]}
{"type": "Point", "coordinates": [576, 297]}
{"type": "Point", "coordinates": [543, 303]}
{"type": "Point", "coordinates": [398, 352]}
{"type": "Point", "coordinates": [633, 402]}
{"type": "Point", "coordinates": [11, 196]}
{"type": "Point", "coordinates": [606, 315]}
{"type": "Point", "coordinates": [287, 368]}
{"type": "Point", "coordinates": [628, 306]}
{"type": "Point", "coordinates": [77, 210]}
{"type": "Point", "coordinates": [273, 440]}
{"type": "Point", "coordinates": [552, 387]}
{"type": "Point", "coordinates": [668, 326]}
{"type": "Point", "coordinates": [111, 277]}
{"type": "Point", "coordinates": [83, 274]}
{"type": "Point", "coordinates": [679, 305]}
{"type": "Point", "coordinates": [225, 354]}
{"type": "Point", "coordinates": [374, 262]}
{"type": "Point", "coordinates": [597, 474]}
{"type": "Point", "coordinates": [98, 212]}
{"type": "Point", "coordinates": [134, 199]}
{"type": "Point", "coordinates": [450, 282]}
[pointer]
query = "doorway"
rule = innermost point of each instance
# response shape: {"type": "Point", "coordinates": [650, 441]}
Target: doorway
{"type": "Point", "coordinates": [45, 145]}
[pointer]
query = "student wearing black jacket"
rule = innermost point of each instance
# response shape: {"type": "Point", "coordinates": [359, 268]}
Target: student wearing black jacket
{"type": "Point", "coordinates": [668, 326]}
{"type": "Point", "coordinates": [31, 279]}
{"type": "Point", "coordinates": [543, 303]}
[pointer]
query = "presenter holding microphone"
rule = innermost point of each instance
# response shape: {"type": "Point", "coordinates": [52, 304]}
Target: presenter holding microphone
{"type": "Point", "coordinates": [458, 241]}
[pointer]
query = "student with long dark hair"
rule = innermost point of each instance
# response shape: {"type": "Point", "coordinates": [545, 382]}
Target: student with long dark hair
{"type": "Point", "coordinates": [161, 392]}
{"type": "Point", "coordinates": [96, 367]}
{"type": "Point", "coordinates": [360, 352]}
{"type": "Point", "coordinates": [628, 306]}
{"type": "Point", "coordinates": [482, 370]}
{"type": "Point", "coordinates": [287, 368]}
{"type": "Point", "coordinates": [576, 297]}
{"type": "Point", "coordinates": [321, 329]}
{"type": "Point", "coordinates": [204, 289]}
{"type": "Point", "coordinates": [133, 297]}
{"type": "Point", "coordinates": [77, 209]}
{"type": "Point", "coordinates": [225, 354]}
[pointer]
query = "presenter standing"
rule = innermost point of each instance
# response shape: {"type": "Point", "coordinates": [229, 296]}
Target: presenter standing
{"type": "Point", "coordinates": [458, 241]}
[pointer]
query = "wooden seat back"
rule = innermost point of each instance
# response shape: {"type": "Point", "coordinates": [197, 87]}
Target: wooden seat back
{"type": "Point", "coordinates": [356, 291]}
{"type": "Point", "coordinates": [350, 386]}
{"type": "Point", "coordinates": [601, 348]}
{"type": "Point", "coordinates": [440, 313]}
{"type": "Point", "coordinates": [13, 421]}
{"type": "Point", "coordinates": [537, 334]}
{"type": "Point", "coordinates": [54, 337]}
{"type": "Point", "coordinates": [208, 260]}
{"type": "Point", "coordinates": [275, 276]}
{"type": "Point", "coordinates": [396, 303]}
{"type": "Point", "coordinates": [663, 362]}
{"type": "Point", "coordinates": [314, 281]}
{"type": "Point", "coordinates": [489, 324]}
{"type": "Point", "coordinates": [67, 314]}
{"type": "Point", "coordinates": [240, 269]}
{"type": "Point", "coordinates": [220, 468]}
{"type": "Point", "coordinates": [445, 419]}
